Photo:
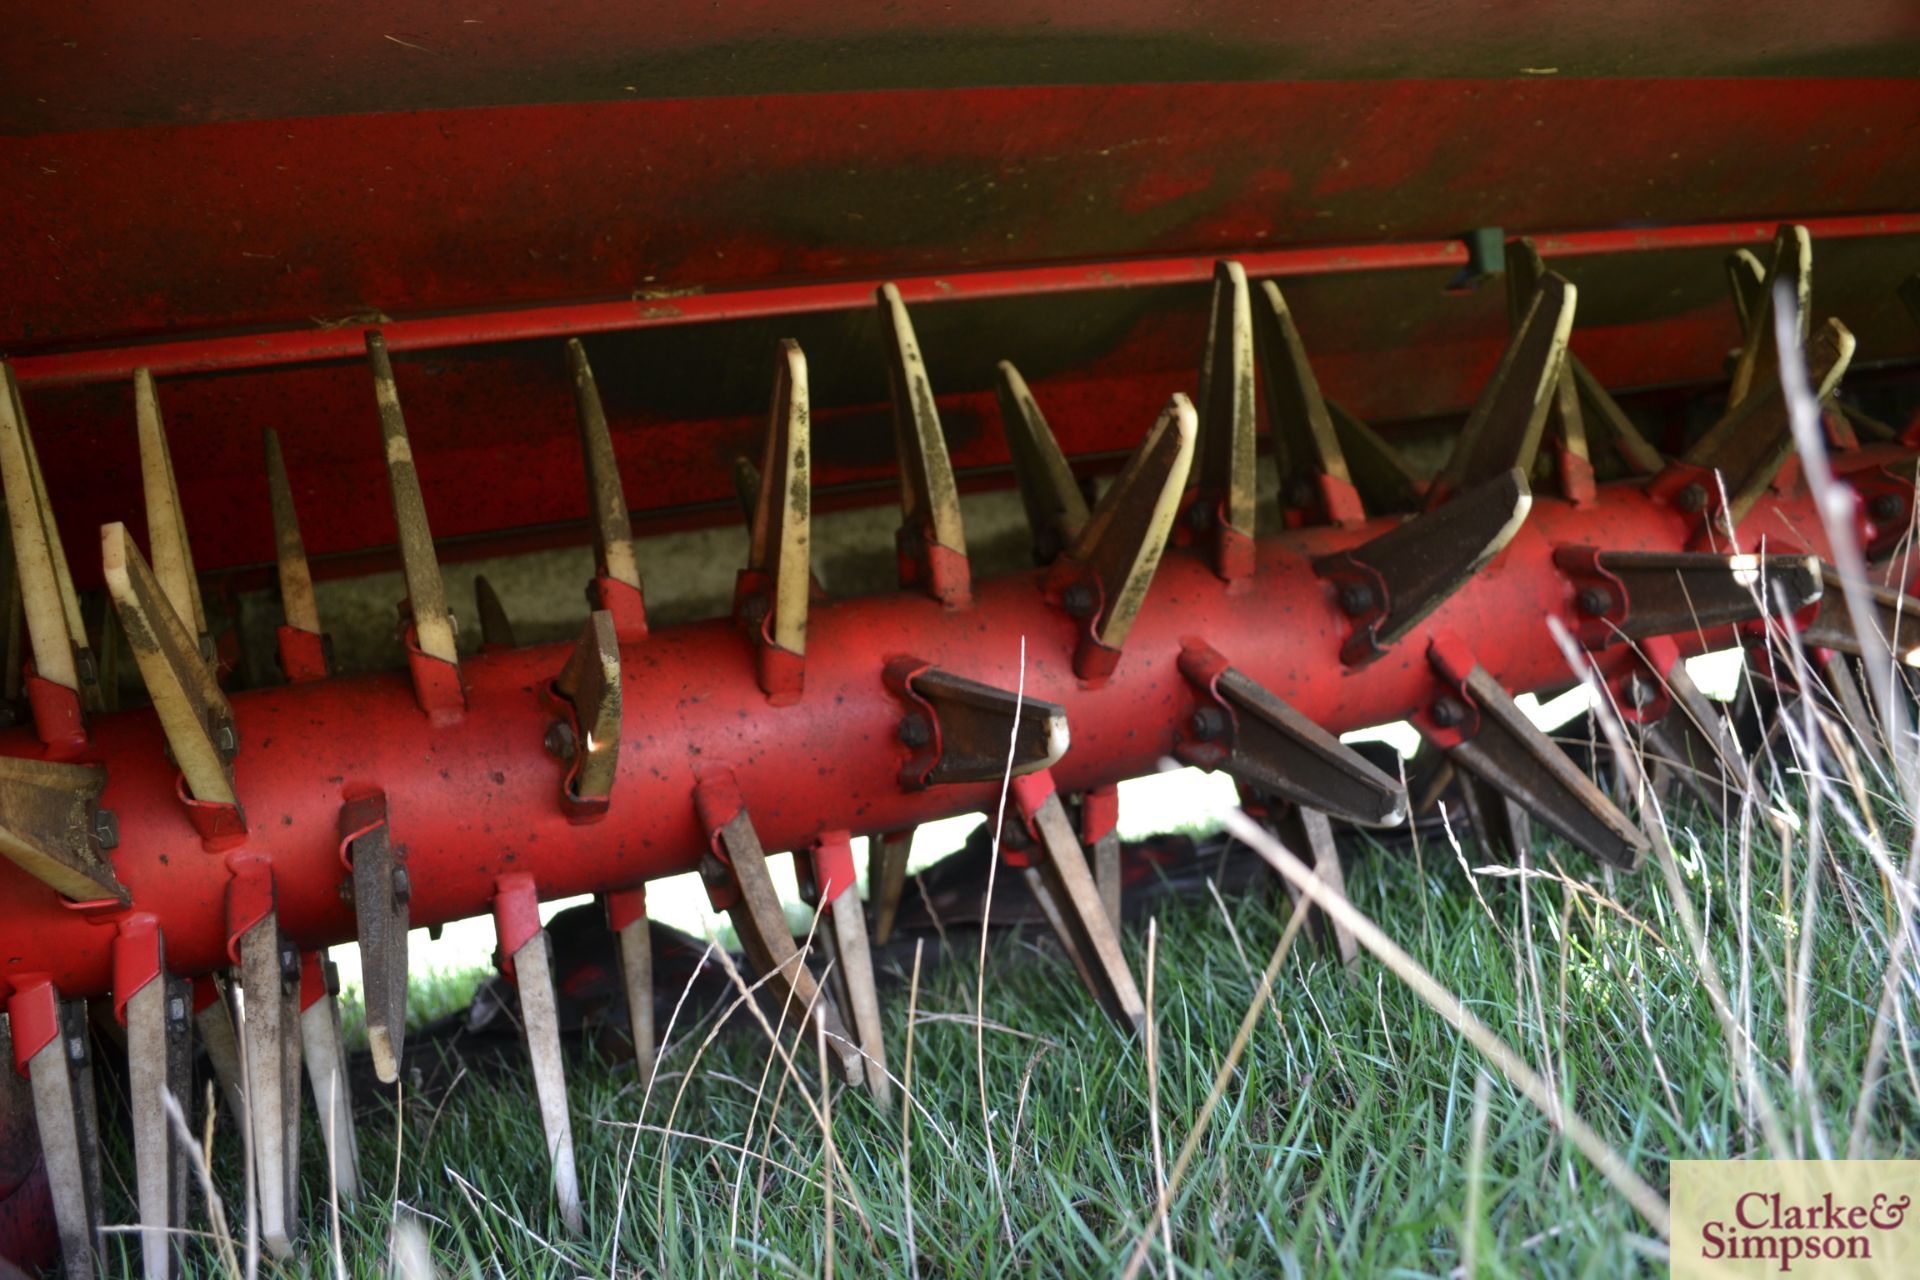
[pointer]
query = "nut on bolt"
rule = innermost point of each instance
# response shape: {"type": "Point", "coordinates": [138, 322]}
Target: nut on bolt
{"type": "Point", "coordinates": [1447, 712]}
{"type": "Point", "coordinates": [914, 730]}
{"type": "Point", "coordinates": [1886, 507]}
{"type": "Point", "coordinates": [1691, 499]}
{"type": "Point", "coordinates": [1357, 598]}
{"type": "Point", "coordinates": [1209, 723]}
{"type": "Point", "coordinates": [1595, 601]}
{"type": "Point", "coordinates": [560, 741]}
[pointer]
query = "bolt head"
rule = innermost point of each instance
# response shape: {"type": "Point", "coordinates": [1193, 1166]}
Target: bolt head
{"type": "Point", "coordinates": [753, 610]}
{"type": "Point", "coordinates": [1595, 601]}
{"type": "Point", "coordinates": [560, 742]}
{"type": "Point", "coordinates": [1447, 712]}
{"type": "Point", "coordinates": [1885, 508]}
{"type": "Point", "coordinates": [1357, 598]}
{"type": "Point", "coordinates": [1078, 600]}
{"type": "Point", "coordinates": [1639, 691]}
{"type": "Point", "coordinates": [1692, 498]}
{"type": "Point", "coordinates": [1013, 835]}
{"type": "Point", "coordinates": [914, 730]}
{"type": "Point", "coordinates": [106, 829]}
{"type": "Point", "coordinates": [402, 885]}
{"type": "Point", "coordinates": [225, 739]}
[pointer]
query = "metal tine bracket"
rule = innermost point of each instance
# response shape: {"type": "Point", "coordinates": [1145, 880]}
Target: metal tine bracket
{"type": "Point", "coordinates": [772, 593]}
{"type": "Point", "coordinates": [1474, 720]}
{"type": "Point", "coordinates": [1240, 727]}
{"type": "Point", "coordinates": [738, 883]}
{"type": "Point", "coordinates": [431, 653]}
{"type": "Point", "coordinates": [156, 1010]}
{"type": "Point", "coordinates": [50, 1049]}
{"type": "Point", "coordinates": [382, 892]}
{"type": "Point", "coordinates": [587, 690]}
{"type": "Point", "coordinates": [1090, 935]}
{"type": "Point", "coordinates": [616, 584]}
{"type": "Point", "coordinates": [527, 959]}
{"type": "Point", "coordinates": [1631, 595]}
{"type": "Point", "coordinates": [326, 1055]}
{"type": "Point", "coordinates": [1313, 465]}
{"type": "Point", "coordinates": [633, 939]}
{"type": "Point", "coordinates": [1056, 509]}
{"type": "Point", "coordinates": [62, 666]}
{"type": "Point", "coordinates": [269, 968]}
{"type": "Point", "coordinates": [1749, 444]}
{"type": "Point", "coordinates": [957, 730]}
{"type": "Point", "coordinates": [52, 827]}
{"type": "Point", "coordinates": [302, 646]}
{"type": "Point", "coordinates": [1390, 584]}
{"type": "Point", "coordinates": [932, 541]}
{"type": "Point", "coordinates": [825, 874]}
{"type": "Point", "coordinates": [166, 519]}
{"type": "Point", "coordinates": [1102, 582]}
{"type": "Point", "coordinates": [1221, 510]}
{"type": "Point", "coordinates": [192, 710]}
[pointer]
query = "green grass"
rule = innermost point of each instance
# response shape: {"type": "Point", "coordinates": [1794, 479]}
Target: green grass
{"type": "Point", "coordinates": [1342, 1146]}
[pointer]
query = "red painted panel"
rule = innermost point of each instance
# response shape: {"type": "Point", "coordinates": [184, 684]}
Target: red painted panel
{"type": "Point", "coordinates": [121, 233]}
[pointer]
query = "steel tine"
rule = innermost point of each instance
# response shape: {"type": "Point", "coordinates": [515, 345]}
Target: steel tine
{"type": "Point", "coordinates": [1057, 921]}
{"type": "Point", "coordinates": [1103, 580]}
{"type": "Point", "coordinates": [1306, 445]}
{"type": "Point", "coordinates": [166, 520]}
{"type": "Point", "coordinates": [1503, 431]}
{"type": "Point", "coordinates": [382, 896]}
{"type": "Point", "coordinates": [617, 586]}
{"type": "Point", "coordinates": [1382, 475]}
{"type": "Point", "coordinates": [1753, 439]}
{"type": "Point", "coordinates": [192, 710]}
{"type": "Point", "coordinates": [1306, 829]}
{"type": "Point", "coordinates": [887, 879]}
{"type": "Point", "coordinates": [933, 539]}
{"type": "Point", "coordinates": [1747, 283]}
{"type": "Point", "coordinates": [1489, 738]}
{"type": "Point", "coordinates": [496, 628]}
{"type": "Point", "coordinates": [1392, 583]}
{"type": "Point", "coordinates": [159, 1048]}
{"type": "Point", "coordinates": [633, 938]}
{"type": "Point", "coordinates": [1086, 926]}
{"type": "Point", "coordinates": [52, 827]}
{"type": "Point", "coordinates": [297, 599]}
{"type": "Point", "coordinates": [214, 1029]}
{"type": "Point", "coordinates": [269, 986]}
{"type": "Point", "coordinates": [738, 882]}
{"type": "Point", "coordinates": [1500, 826]}
{"type": "Point", "coordinates": [50, 1045]}
{"type": "Point", "coordinates": [1056, 509]}
{"type": "Point", "coordinates": [827, 871]}
{"type": "Point", "coordinates": [526, 951]}
{"type": "Point", "coordinates": [774, 590]}
{"type": "Point", "coordinates": [1100, 833]}
{"type": "Point", "coordinates": [53, 628]}
{"type": "Point", "coordinates": [1792, 261]}
{"type": "Point", "coordinates": [326, 1055]}
{"type": "Point", "coordinates": [1222, 511]}
{"type": "Point", "coordinates": [426, 591]}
